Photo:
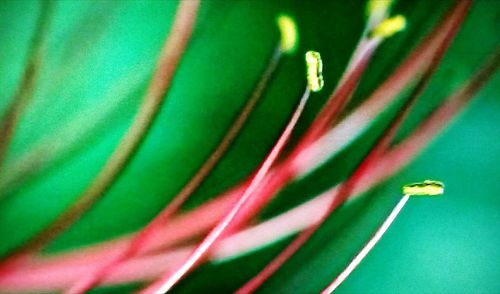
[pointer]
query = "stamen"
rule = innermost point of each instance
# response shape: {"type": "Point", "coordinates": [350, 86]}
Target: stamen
{"type": "Point", "coordinates": [289, 35]}
{"type": "Point", "coordinates": [234, 218]}
{"type": "Point", "coordinates": [423, 188]}
{"type": "Point", "coordinates": [337, 100]}
{"type": "Point", "coordinates": [358, 120]}
{"type": "Point", "coordinates": [389, 164]}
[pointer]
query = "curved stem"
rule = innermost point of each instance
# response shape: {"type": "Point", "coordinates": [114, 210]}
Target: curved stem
{"type": "Point", "coordinates": [340, 96]}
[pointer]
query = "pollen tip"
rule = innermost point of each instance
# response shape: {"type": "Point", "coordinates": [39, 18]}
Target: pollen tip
{"type": "Point", "coordinates": [314, 71]}
{"type": "Point", "coordinates": [389, 26]}
{"type": "Point", "coordinates": [425, 188]}
{"type": "Point", "coordinates": [288, 31]}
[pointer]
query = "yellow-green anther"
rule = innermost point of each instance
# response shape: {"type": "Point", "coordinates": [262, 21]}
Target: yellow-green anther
{"type": "Point", "coordinates": [425, 188]}
{"type": "Point", "coordinates": [389, 27]}
{"type": "Point", "coordinates": [314, 71]}
{"type": "Point", "coordinates": [289, 35]}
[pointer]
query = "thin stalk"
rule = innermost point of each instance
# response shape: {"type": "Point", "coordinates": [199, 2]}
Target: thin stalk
{"type": "Point", "coordinates": [227, 223]}
{"type": "Point", "coordinates": [26, 89]}
{"type": "Point", "coordinates": [167, 64]}
{"type": "Point", "coordinates": [368, 247]}
{"type": "Point", "coordinates": [137, 243]}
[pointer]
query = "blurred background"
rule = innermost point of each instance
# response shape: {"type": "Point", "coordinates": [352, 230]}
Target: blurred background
{"type": "Point", "coordinates": [98, 60]}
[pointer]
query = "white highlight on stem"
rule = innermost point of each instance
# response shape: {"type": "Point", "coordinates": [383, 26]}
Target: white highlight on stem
{"type": "Point", "coordinates": [368, 247]}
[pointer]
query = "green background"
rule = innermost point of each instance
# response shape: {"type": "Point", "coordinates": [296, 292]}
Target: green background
{"type": "Point", "coordinates": [99, 58]}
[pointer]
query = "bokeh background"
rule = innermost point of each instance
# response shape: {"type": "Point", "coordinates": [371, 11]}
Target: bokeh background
{"type": "Point", "coordinates": [98, 60]}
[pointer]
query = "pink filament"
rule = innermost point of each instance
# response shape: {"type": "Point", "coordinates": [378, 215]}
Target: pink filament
{"type": "Point", "coordinates": [230, 221]}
